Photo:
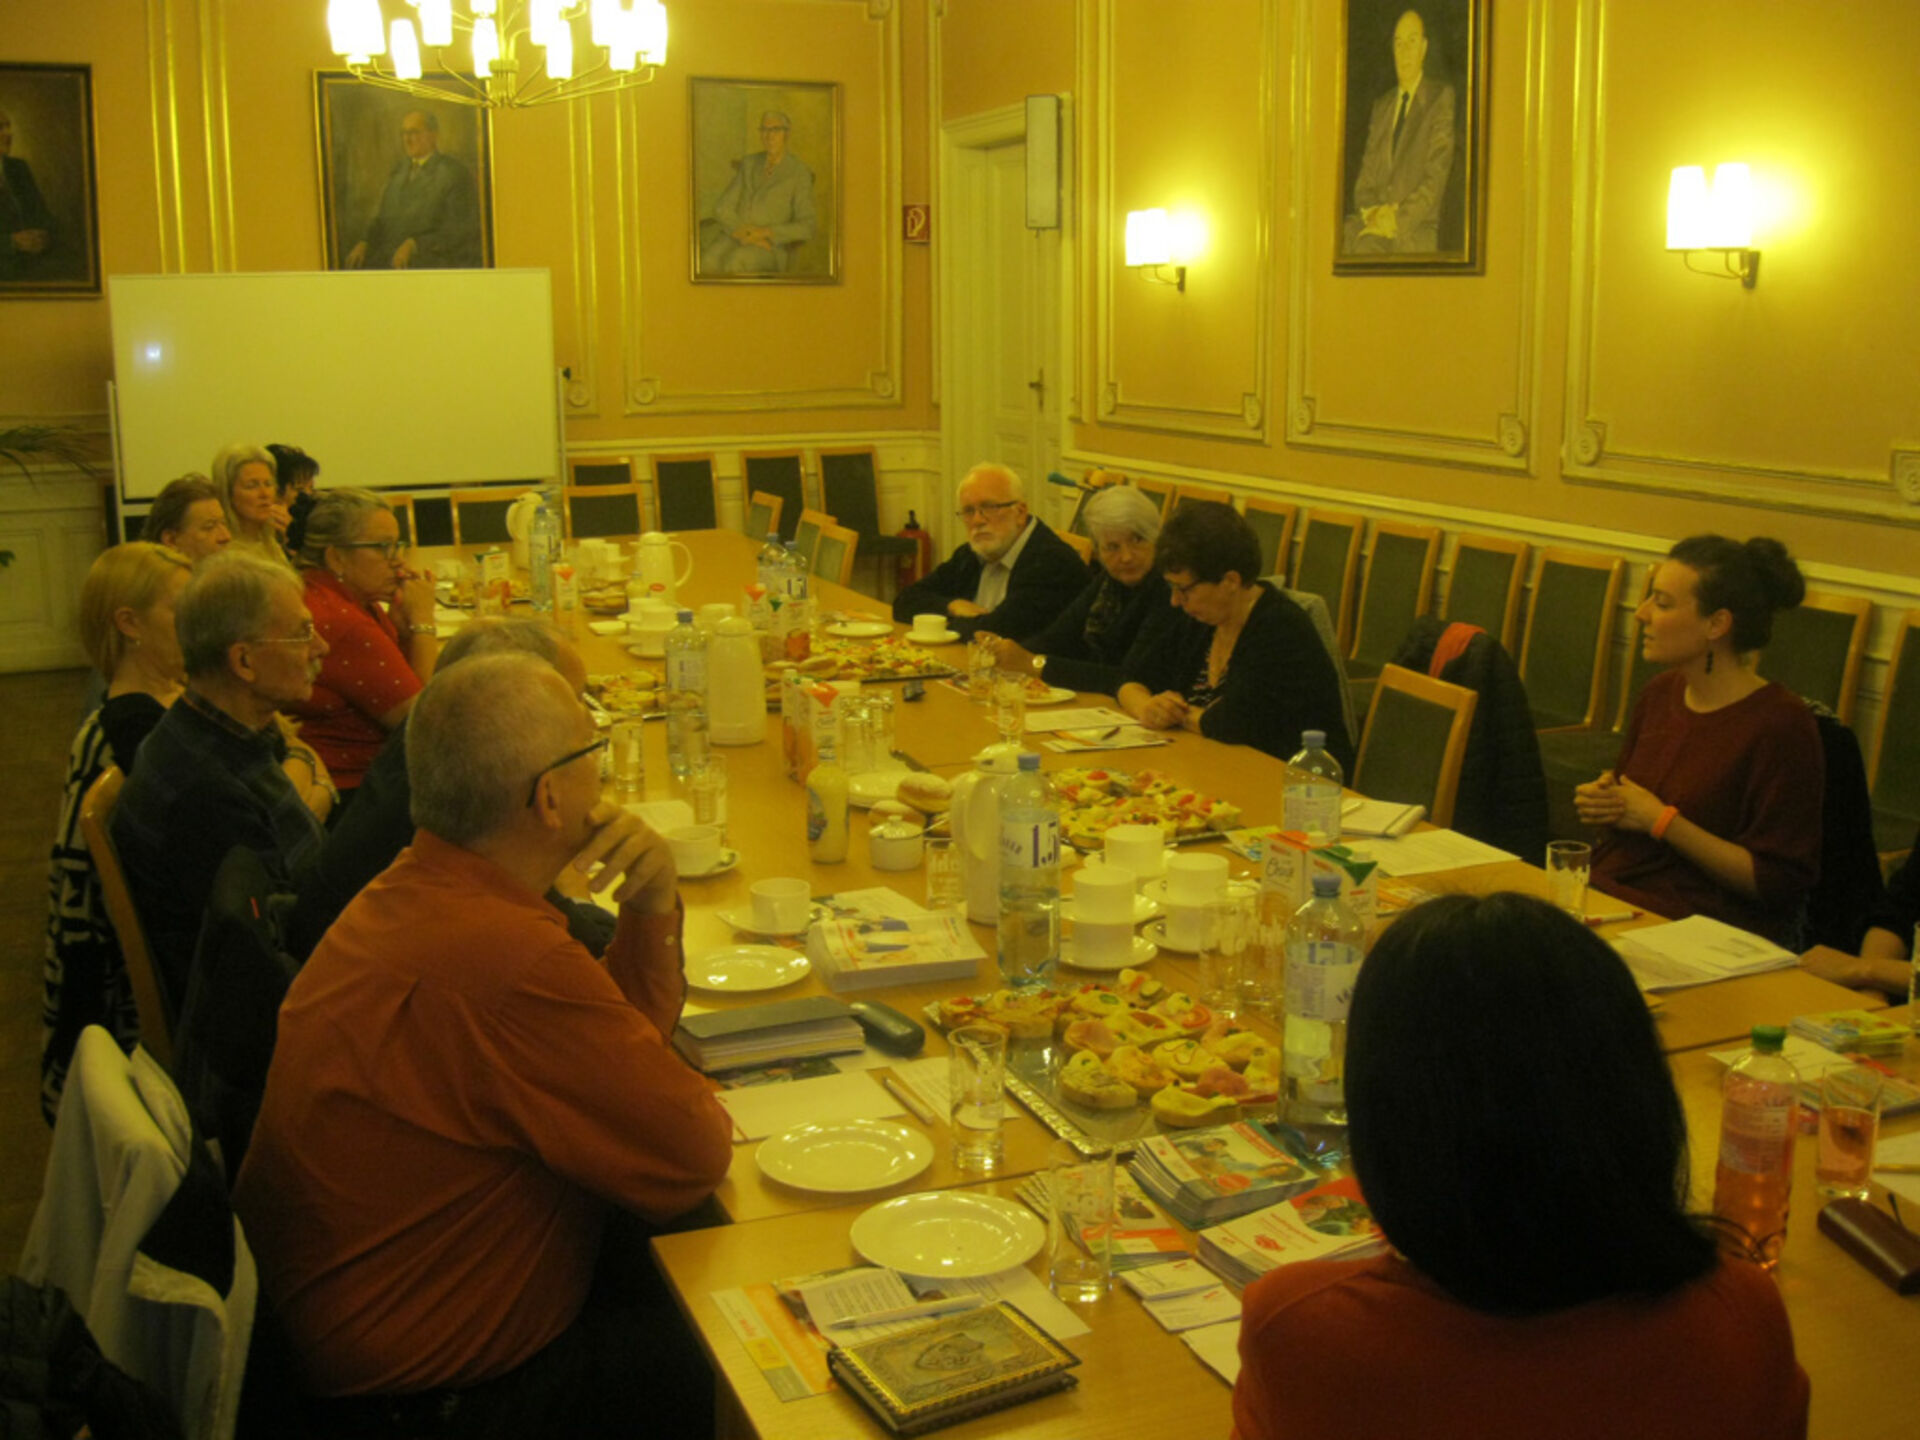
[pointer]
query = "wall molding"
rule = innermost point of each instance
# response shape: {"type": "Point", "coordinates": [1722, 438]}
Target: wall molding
{"type": "Point", "coordinates": [1595, 452]}
{"type": "Point", "coordinates": [582, 389]}
{"type": "Point", "coordinates": [1245, 415]}
{"type": "Point", "coordinates": [1507, 442]}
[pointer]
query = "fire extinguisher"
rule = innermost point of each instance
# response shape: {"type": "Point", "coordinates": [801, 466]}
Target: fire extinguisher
{"type": "Point", "coordinates": [917, 561]}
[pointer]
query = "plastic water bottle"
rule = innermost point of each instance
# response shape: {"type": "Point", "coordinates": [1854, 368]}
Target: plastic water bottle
{"type": "Point", "coordinates": [1310, 797]}
{"type": "Point", "coordinates": [1325, 944]}
{"type": "Point", "coordinates": [1759, 1099]}
{"type": "Point", "coordinates": [686, 696]}
{"type": "Point", "coordinates": [1029, 876]}
{"type": "Point", "coordinates": [797, 614]}
{"type": "Point", "coordinates": [543, 548]}
{"type": "Point", "coordinates": [770, 567]}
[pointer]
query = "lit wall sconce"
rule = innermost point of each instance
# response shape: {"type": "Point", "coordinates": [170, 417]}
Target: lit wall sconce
{"type": "Point", "coordinates": [1716, 218]}
{"type": "Point", "coordinates": [1158, 242]}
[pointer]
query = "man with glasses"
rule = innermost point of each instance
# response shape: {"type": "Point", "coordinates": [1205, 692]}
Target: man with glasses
{"type": "Point", "coordinates": [766, 212]}
{"type": "Point", "coordinates": [215, 772]}
{"type": "Point", "coordinates": [429, 215]}
{"type": "Point", "coordinates": [470, 1125]}
{"type": "Point", "coordinates": [1012, 575]}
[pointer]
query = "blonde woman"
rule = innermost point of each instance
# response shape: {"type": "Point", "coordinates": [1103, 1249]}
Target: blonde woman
{"type": "Point", "coordinates": [249, 487]}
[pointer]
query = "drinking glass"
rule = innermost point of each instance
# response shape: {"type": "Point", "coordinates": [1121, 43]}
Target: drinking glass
{"type": "Point", "coordinates": [626, 757]}
{"type": "Point", "coordinates": [707, 785]}
{"type": "Point", "coordinates": [980, 667]}
{"type": "Point", "coordinates": [1568, 863]}
{"type": "Point", "coordinates": [976, 1088]}
{"type": "Point", "coordinates": [1080, 1222]}
{"type": "Point", "coordinates": [1230, 980]}
{"type": "Point", "coordinates": [1010, 706]}
{"type": "Point", "coordinates": [1849, 1120]}
{"type": "Point", "coordinates": [946, 878]}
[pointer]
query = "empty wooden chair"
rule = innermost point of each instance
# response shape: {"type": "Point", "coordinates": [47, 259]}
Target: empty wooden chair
{"type": "Point", "coordinates": [432, 519]}
{"type": "Point", "coordinates": [1415, 740]}
{"type": "Point", "coordinates": [779, 473]}
{"type": "Point", "coordinates": [763, 514]}
{"type": "Point", "coordinates": [806, 535]}
{"type": "Point", "coordinates": [1272, 524]}
{"type": "Point", "coordinates": [1328, 564]}
{"type": "Point", "coordinates": [402, 516]}
{"type": "Point", "coordinates": [1158, 491]}
{"type": "Point", "coordinates": [602, 470]}
{"type": "Point", "coordinates": [156, 1013]}
{"type": "Point", "coordinates": [1569, 631]}
{"type": "Point", "coordinates": [1082, 545]}
{"type": "Point", "coordinates": [1094, 482]}
{"type": "Point", "coordinates": [1484, 589]}
{"type": "Point", "coordinates": [480, 516]}
{"type": "Point", "coordinates": [684, 494]}
{"type": "Point", "coordinates": [1573, 757]}
{"type": "Point", "coordinates": [1895, 777]}
{"type": "Point", "coordinates": [1817, 647]}
{"type": "Point", "coordinates": [597, 511]}
{"type": "Point", "coordinates": [1184, 493]}
{"type": "Point", "coordinates": [834, 553]}
{"type": "Point", "coordinates": [1397, 591]}
{"type": "Point", "coordinates": [850, 490]}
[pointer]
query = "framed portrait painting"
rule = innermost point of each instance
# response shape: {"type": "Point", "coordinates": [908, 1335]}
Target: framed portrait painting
{"type": "Point", "coordinates": [1413, 137]}
{"type": "Point", "coordinates": [406, 183]}
{"type": "Point", "coordinates": [49, 213]}
{"type": "Point", "coordinates": [765, 172]}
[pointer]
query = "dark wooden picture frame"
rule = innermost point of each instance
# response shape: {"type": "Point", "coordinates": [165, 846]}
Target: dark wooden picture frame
{"type": "Point", "coordinates": [765, 205]}
{"type": "Point", "coordinates": [440, 216]}
{"type": "Point", "coordinates": [1412, 164]}
{"type": "Point", "coordinates": [49, 205]}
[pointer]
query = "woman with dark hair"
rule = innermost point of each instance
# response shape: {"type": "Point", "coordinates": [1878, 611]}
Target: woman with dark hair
{"type": "Point", "coordinates": [1714, 805]}
{"type": "Point", "coordinates": [1234, 659]}
{"type": "Point", "coordinates": [295, 472]}
{"type": "Point", "coordinates": [1517, 1137]}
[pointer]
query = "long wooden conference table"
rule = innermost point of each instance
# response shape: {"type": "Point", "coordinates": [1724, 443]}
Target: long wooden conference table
{"type": "Point", "coordinates": [1857, 1339]}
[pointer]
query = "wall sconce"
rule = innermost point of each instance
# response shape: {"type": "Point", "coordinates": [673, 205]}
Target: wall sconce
{"type": "Point", "coordinates": [1718, 218]}
{"type": "Point", "coordinates": [1157, 242]}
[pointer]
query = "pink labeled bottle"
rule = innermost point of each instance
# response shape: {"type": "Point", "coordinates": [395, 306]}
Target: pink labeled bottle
{"type": "Point", "coordinates": [1759, 1105]}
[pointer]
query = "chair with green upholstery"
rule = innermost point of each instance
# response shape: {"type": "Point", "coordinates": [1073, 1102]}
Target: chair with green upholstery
{"type": "Point", "coordinates": [598, 511]}
{"type": "Point", "coordinates": [684, 494]}
{"type": "Point", "coordinates": [601, 470]}
{"type": "Point", "coordinates": [1415, 740]}
{"type": "Point", "coordinates": [1817, 648]}
{"type": "Point", "coordinates": [806, 535]}
{"type": "Point", "coordinates": [480, 516]}
{"type": "Point", "coordinates": [835, 553]}
{"type": "Point", "coordinates": [1896, 757]}
{"type": "Point", "coordinates": [762, 516]}
{"type": "Point", "coordinates": [1329, 560]}
{"type": "Point", "coordinates": [1573, 757]}
{"type": "Point", "coordinates": [778, 473]}
{"type": "Point", "coordinates": [1397, 591]}
{"type": "Point", "coordinates": [1272, 524]}
{"type": "Point", "coordinates": [1569, 629]}
{"type": "Point", "coordinates": [1484, 589]}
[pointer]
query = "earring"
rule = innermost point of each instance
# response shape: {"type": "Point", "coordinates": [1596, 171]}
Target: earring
{"type": "Point", "coordinates": [1709, 662]}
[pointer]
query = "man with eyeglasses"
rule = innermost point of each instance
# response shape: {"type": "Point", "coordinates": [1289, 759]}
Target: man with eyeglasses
{"type": "Point", "coordinates": [1011, 576]}
{"type": "Point", "coordinates": [217, 770]}
{"type": "Point", "coordinates": [766, 212]}
{"type": "Point", "coordinates": [429, 215]}
{"type": "Point", "coordinates": [470, 1125]}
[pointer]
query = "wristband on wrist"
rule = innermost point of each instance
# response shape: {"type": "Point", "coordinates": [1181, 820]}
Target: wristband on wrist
{"type": "Point", "coordinates": [422, 629]}
{"type": "Point", "coordinates": [1667, 817]}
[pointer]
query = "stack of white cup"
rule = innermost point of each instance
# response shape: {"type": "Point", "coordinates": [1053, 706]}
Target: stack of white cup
{"type": "Point", "coordinates": [1139, 848]}
{"type": "Point", "coordinates": [1103, 915]}
{"type": "Point", "coordinates": [1194, 883]}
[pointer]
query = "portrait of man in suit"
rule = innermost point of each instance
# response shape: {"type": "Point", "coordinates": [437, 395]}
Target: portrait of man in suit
{"type": "Point", "coordinates": [429, 216]}
{"type": "Point", "coordinates": [48, 224]}
{"type": "Point", "coordinates": [1408, 177]}
{"type": "Point", "coordinates": [769, 213]}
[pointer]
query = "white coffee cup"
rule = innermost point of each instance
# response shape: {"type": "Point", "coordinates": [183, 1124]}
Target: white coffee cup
{"type": "Point", "coordinates": [1103, 944]}
{"type": "Point", "coordinates": [1139, 848]}
{"type": "Point", "coordinates": [929, 625]}
{"type": "Point", "coordinates": [696, 848]}
{"type": "Point", "coordinates": [1103, 895]}
{"type": "Point", "coordinates": [1196, 879]}
{"type": "Point", "coordinates": [781, 907]}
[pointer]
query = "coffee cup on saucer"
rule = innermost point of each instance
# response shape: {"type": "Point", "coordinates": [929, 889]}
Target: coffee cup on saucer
{"type": "Point", "coordinates": [1103, 945]}
{"type": "Point", "coordinates": [930, 626]}
{"type": "Point", "coordinates": [696, 848]}
{"type": "Point", "coordinates": [782, 907]}
{"type": "Point", "coordinates": [1139, 848]}
{"type": "Point", "coordinates": [1103, 895]}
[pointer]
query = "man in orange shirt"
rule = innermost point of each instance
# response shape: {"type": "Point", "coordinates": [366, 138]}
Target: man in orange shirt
{"type": "Point", "coordinates": [461, 1097]}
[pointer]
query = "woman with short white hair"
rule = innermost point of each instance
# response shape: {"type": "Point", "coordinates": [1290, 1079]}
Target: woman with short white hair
{"type": "Point", "coordinates": [1086, 645]}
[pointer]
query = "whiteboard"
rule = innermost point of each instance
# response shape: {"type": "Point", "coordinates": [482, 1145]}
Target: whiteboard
{"type": "Point", "coordinates": [404, 380]}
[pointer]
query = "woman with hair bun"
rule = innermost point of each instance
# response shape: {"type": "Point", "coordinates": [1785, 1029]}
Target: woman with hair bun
{"type": "Point", "coordinates": [1714, 805]}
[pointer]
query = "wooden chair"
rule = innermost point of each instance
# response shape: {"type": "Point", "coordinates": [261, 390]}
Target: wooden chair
{"type": "Point", "coordinates": [1484, 590]}
{"type": "Point", "coordinates": [779, 473]}
{"type": "Point", "coordinates": [1415, 739]}
{"type": "Point", "coordinates": [1817, 647]}
{"type": "Point", "coordinates": [1569, 630]}
{"type": "Point", "coordinates": [1895, 777]}
{"type": "Point", "coordinates": [1159, 491]}
{"type": "Point", "coordinates": [1082, 545]}
{"type": "Point", "coordinates": [1573, 757]}
{"type": "Point", "coordinates": [763, 515]}
{"type": "Point", "coordinates": [432, 519]}
{"type": "Point", "coordinates": [1329, 561]}
{"type": "Point", "coordinates": [602, 470]}
{"type": "Point", "coordinates": [1184, 493]}
{"type": "Point", "coordinates": [1272, 523]}
{"type": "Point", "coordinates": [684, 493]}
{"type": "Point", "coordinates": [806, 535]}
{"type": "Point", "coordinates": [597, 511]}
{"type": "Point", "coordinates": [850, 489]}
{"type": "Point", "coordinates": [480, 516]}
{"type": "Point", "coordinates": [156, 1015]}
{"type": "Point", "coordinates": [1397, 591]}
{"type": "Point", "coordinates": [834, 554]}
{"type": "Point", "coordinates": [402, 507]}
{"type": "Point", "coordinates": [1091, 485]}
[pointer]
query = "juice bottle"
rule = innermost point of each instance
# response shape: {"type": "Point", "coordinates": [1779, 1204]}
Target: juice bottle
{"type": "Point", "coordinates": [1759, 1100]}
{"type": "Point", "coordinates": [827, 808]}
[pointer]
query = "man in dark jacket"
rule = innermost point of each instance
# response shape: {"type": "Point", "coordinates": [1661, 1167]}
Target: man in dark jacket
{"type": "Point", "coordinates": [1012, 575]}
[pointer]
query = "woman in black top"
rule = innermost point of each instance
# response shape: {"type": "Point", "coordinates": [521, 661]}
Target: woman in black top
{"type": "Point", "coordinates": [1886, 959]}
{"type": "Point", "coordinates": [1233, 658]}
{"type": "Point", "coordinates": [1087, 644]}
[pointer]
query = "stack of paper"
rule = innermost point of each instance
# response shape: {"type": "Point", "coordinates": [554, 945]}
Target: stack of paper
{"type": "Point", "coordinates": [1324, 1224]}
{"type": "Point", "coordinates": [1855, 1031]}
{"type": "Point", "coordinates": [760, 1034]}
{"type": "Point", "coordinates": [866, 954]}
{"type": "Point", "coordinates": [1424, 851]}
{"type": "Point", "coordinates": [1202, 1176]}
{"type": "Point", "coordinates": [1697, 951]}
{"type": "Point", "coordinates": [1379, 817]}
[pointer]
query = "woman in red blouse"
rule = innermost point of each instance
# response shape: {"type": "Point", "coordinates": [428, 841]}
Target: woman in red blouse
{"type": "Point", "coordinates": [376, 615]}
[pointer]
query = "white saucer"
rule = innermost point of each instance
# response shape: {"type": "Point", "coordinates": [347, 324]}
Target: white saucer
{"type": "Point", "coordinates": [1099, 857]}
{"type": "Point", "coordinates": [860, 629]}
{"type": "Point", "coordinates": [1142, 950]}
{"type": "Point", "coordinates": [1144, 909]}
{"type": "Point", "coordinates": [728, 859]}
{"type": "Point", "coordinates": [840, 1157]}
{"type": "Point", "coordinates": [950, 637]}
{"type": "Point", "coordinates": [741, 919]}
{"type": "Point", "coordinates": [1157, 933]}
{"type": "Point", "coordinates": [1056, 695]}
{"type": "Point", "coordinates": [747, 967]}
{"type": "Point", "coordinates": [1156, 890]}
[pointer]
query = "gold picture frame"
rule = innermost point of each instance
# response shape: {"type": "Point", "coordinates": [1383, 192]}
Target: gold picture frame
{"type": "Point", "coordinates": [49, 204]}
{"type": "Point", "coordinates": [764, 172]}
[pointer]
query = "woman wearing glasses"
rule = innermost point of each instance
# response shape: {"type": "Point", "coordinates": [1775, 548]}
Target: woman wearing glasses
{"type": "Point", "coordinates": [376, 615]}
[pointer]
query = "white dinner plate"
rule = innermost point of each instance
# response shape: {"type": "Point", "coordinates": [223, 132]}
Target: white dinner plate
{"type": "Point", "coordinates": [840, 1157]}
{"type": "Point", "coordinates": [1140, 952]}
{"type": "Point", "coordinates": [747, 967]}
{"type": "Point", "coordinates": [1054, 695]}
{"type": "Point", "coordinates": [950, 637]}
{"type": "Point", "coordinates": [741, 919]}
{"type": "Point", "coordinates": [871, 786]}
{"type": "Point", "coordinates": [728, 859]}
{"type": "Point", "coordinates": [948, 1234]}
{"type": "Point", "coordinates": [860, 629]}
{"type": "Point", "coordinates": [1144, 909]}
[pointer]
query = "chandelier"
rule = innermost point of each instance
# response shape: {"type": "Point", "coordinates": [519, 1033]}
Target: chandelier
{"type": "Point", "coordinates": [516, 53]}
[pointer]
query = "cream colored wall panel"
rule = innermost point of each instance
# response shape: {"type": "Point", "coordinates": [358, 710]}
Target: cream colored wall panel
{"type": "Point", "coordinates": [1188, 120]}
{"type": "Point", "coordinates": [1442, 367]}
{"type": "Point", "coordinates": [1797, 395]}
{"type": "Point", "coordinates": [54, 528]}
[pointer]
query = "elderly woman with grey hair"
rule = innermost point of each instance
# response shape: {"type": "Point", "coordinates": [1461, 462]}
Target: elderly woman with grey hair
{"type": "Point", "coordinates": [376, 614]}
{"type": "Point", "coordinates": [1086, 645]}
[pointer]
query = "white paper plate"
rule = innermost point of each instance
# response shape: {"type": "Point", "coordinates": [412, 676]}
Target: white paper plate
{"type": "Point", "coordinates": [860, 629]}
{"type": "Point", "coordinates": [1144, 909]}
{"type": "Point", "coordinates": [728, 859]}
{"type": "Point", "coordinates": [741, 919]}
{"type": "Point", "coordinates": [1054, 695]}
{"type": "Point", "coordinates": [747, 967]}
{"type": "Point", "coordinates": [951, 637]}
{"type": "Point", "coordinates": [1142, 950]}
{"type": "Point", "coordinates": [843, 1156]}
{"type": "Point", "coordinates": [871, 786]}
{"type": "Point", "coordinates": [948, 1234]}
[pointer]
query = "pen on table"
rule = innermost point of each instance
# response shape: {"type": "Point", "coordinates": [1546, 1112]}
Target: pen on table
{"type": "Point", "coordinates": [926, 1311]}
{"type": "Point", "coordinates": [1596, 921]}
{"type": "Point", "coordinates": [900, 1093]}
{"type": "Point", "coordinates": [1899, 1169]}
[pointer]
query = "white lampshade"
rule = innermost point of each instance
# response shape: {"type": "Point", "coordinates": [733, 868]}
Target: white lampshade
{"type": "Point", "coordinates": [1732, 207]}
{"type": "Point", "coordinates": [648, 23]}
{"type": "Point", "coordinates": [482, 7]}
{"type": "Point", "coordinates": [406, 51]}
{"type": "Point", "coordinates": [436, 22]}
{"type": "Point", "coordinates": [607, 19]}
{"type": "Point", "coordinates": [356, 27]}
{"type": "Point", "coordinates": [1687, 209]}
{"type": "Point", "coordinates": [560, 51]}
{"type": "Point", "coordinates": [486, 46]}
{"type": "Point", "coordinates": [543, 18]}
{"type": "Point", "coordinates": [1149, 238]}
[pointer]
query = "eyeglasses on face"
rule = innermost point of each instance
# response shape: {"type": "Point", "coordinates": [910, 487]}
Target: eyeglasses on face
{"type": "Point", "coordinates": [984, 508]}
{"type": "Point", "coordinates": [303, 636]}
{"type": "Point", "coordinates": [390, 550]}
{"type": "Point", "coordinates": [533, 790]}
{"type": "Point", "coordinates": [1180, 592]}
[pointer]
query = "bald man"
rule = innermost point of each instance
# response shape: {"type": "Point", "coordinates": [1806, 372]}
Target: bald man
{"type": "Point", "coordinates": [1409, 154]}
{"type": "Point", "coordinates": [1011, 576]}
